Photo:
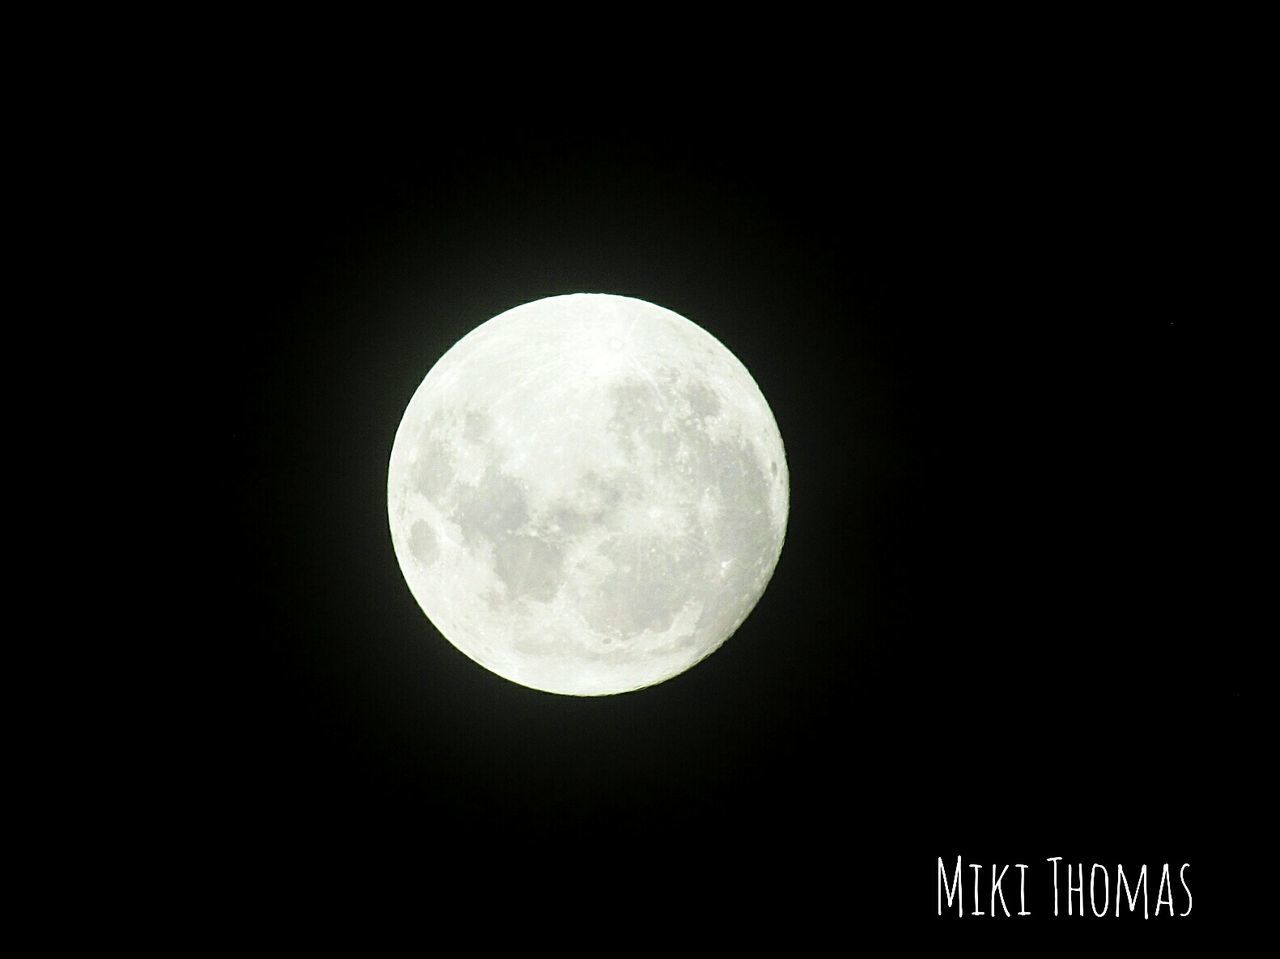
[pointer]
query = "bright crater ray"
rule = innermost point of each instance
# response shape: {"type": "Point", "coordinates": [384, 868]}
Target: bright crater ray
{"type": "Point", "coordinates": [587, 494]}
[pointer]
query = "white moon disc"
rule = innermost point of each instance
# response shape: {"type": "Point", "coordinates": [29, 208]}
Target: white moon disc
{"type": "Point", "coordinates": [587, 494]}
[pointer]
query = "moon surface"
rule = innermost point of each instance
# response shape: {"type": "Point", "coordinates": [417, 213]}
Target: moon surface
{"type": "Point", "coordinates": [587, 494]}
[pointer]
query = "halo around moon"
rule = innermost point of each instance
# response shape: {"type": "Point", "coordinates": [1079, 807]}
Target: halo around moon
{"type": "Point", "coordinates": [587, 494]}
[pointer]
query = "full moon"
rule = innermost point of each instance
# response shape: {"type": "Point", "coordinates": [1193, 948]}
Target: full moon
{"type": "Point", "coordinates": [587, 494]}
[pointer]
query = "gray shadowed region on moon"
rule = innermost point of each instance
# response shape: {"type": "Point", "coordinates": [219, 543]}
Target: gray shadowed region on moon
{"type": "Point", "coordinates": [587, 494]}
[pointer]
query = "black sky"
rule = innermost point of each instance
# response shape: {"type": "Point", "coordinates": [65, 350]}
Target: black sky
{"type": "Point", "coordinates": [980, 322]}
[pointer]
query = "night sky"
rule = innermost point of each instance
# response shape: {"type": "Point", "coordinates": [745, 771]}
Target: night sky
{"type": "Point", "coordinates": [980, 323]}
